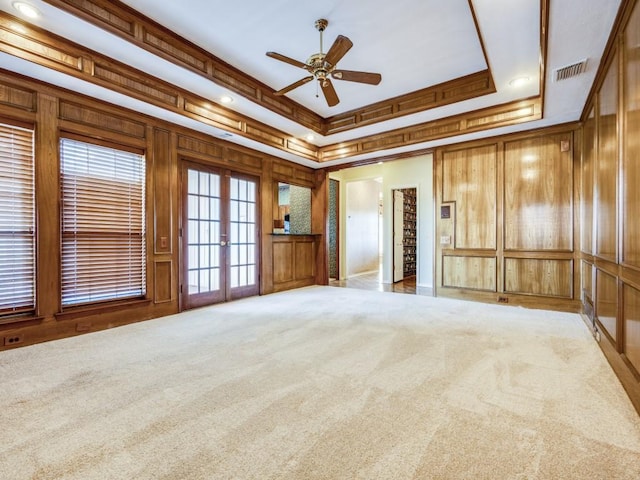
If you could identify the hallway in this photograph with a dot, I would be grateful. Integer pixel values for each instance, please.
(373, 281)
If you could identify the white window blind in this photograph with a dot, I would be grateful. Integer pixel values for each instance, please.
(17, 220)
(103, 223)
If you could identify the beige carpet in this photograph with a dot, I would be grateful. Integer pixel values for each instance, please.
(321, 383)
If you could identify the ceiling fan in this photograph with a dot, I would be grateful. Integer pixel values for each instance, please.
(322, 66)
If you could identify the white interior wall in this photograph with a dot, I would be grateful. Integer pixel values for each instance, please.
(361, 232)
(416, 172)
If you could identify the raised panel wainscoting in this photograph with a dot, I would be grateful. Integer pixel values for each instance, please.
(508, 232)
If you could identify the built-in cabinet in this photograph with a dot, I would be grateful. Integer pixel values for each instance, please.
(610, 177)
(294, 261)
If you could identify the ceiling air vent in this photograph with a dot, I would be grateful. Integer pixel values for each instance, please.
(570, 70)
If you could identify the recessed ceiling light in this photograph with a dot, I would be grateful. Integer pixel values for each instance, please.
(309, 137)
(226, 99)
(26, 9)
(519, 81)
(379, 163)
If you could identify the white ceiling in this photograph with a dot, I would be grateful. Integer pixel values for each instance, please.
(413, 43)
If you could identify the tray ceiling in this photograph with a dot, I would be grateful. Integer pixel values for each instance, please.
(415, 45)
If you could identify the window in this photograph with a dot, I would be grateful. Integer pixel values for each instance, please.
(103, 223)
(17, 220)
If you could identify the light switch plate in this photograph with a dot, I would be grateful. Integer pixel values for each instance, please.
(445, 240)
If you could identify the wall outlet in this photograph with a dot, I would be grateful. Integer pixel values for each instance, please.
(15, 339)
(503, 299)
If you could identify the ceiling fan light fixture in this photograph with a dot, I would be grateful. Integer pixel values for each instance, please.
(27, 10)
(322, 65)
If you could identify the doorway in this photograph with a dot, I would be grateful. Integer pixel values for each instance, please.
(219, 235)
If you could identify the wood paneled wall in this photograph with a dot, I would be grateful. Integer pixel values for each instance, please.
(52, 112)
(509, 235)
(610, 239)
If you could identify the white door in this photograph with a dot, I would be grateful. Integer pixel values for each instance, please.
(398, 235)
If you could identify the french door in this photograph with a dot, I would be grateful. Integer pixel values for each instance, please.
(219, 235)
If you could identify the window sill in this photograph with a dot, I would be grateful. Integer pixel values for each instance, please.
(87, 310)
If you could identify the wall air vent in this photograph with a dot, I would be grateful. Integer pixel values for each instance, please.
(570, 70)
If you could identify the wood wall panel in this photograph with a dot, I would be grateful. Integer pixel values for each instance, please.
(15, 96)
(40, 50)
(208, 148)
(490, 187)
(90, 116)
(267, 136)
(61, 111)
(194, 60)
(457, 90)
(493, 117)
(632, 326)
(586, 277)
(294, 260)
(538, 185)
(109, 14)
(469, 180)
(587, 172)
(162, 191)
(243, 159)
(607, 166)
(47, 180)
(283, 262)
(475, 273)
(221, 121)
(113, 76)
(607, 303)
(631, 146)
(162, 281)
(551, 278)
(305, 259)
(615, 231)
(507, 115)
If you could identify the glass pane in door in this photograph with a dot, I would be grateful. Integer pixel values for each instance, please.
(242, 237)
(203, 212)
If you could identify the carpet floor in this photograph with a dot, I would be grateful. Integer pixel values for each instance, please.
(321, 383)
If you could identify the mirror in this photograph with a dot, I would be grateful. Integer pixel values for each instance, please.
(292, 214)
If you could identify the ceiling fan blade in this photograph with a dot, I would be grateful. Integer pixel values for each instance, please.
(294, 85)
(329, 92)
(286, 59)
(339, 48)
(360, 77)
